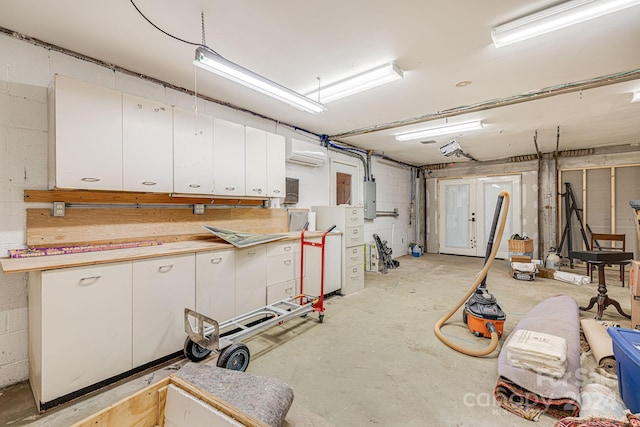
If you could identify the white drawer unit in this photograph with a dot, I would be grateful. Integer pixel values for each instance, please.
(349, 220)
(79, 328)
(215, 284)
(283, 261)
(162, 288)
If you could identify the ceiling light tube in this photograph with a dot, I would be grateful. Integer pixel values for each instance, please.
(358, 83)
(551, 19)
(210, 61)
(449, 129)
(636, 96)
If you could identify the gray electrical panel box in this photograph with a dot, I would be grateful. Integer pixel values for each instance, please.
(369, 200)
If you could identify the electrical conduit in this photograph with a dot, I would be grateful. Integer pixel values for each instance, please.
(483, 273)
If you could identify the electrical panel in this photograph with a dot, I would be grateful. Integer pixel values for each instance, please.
(369, 200)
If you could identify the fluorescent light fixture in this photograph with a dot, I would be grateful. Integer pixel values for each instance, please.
(440, 130)
(211, 61)
(554, 18)
(636, 96)
(359, 83)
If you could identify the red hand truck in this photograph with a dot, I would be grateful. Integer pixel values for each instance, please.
(318, 305)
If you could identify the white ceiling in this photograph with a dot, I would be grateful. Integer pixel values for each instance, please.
(437, 43)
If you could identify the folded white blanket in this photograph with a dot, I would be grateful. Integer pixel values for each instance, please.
(524, 267)
(542, 353)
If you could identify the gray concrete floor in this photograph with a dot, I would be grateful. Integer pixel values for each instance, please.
(375, 360)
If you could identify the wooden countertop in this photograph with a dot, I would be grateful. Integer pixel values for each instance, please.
(52, 262)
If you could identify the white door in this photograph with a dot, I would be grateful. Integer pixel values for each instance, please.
(458, 217)
(466, 211)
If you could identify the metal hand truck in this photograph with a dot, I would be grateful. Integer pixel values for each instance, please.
(206, 335)
(319, 306)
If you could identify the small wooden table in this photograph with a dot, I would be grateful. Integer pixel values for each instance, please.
(600, 259)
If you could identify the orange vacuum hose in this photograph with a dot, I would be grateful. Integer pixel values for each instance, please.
(494, 335)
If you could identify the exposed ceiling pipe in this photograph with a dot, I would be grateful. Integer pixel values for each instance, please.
(501, 102)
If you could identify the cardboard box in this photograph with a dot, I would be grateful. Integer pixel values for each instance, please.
(634, 278)
(547, 273)
(635, 312)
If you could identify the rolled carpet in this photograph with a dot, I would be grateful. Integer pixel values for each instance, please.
(529, 394)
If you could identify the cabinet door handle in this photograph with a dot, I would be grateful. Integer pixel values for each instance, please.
(194, 185)
(216, 260)
(257, 190)
(230, 188)
(148, 183)
(251, 253)
(94, 278)
(90, 179)
(276, 191)
(165, 268)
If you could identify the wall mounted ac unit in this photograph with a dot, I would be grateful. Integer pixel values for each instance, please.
(305, 153)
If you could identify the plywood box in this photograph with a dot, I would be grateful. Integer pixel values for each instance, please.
(547, 273)
(634, 278)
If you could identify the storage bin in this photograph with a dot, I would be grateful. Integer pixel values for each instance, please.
(626, 349)
(522, 246)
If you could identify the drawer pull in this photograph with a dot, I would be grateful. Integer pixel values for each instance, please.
(94, 278)
(354, 257)
(354, 238)
(148, 183)
(216, 260)
(287, 262)
(276, 191)
(90, 179)
(354, 219)
(165, 268)
(289, 290)
(354, 277)
(194, 185)
(229, 188)
(251, 253)
(257, 190)
(287, 248)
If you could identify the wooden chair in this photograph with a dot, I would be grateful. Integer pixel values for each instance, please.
(613, 242)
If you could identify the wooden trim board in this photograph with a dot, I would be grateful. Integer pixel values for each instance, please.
(115, 225)
(118, 197)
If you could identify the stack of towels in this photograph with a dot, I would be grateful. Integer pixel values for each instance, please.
(539, 352)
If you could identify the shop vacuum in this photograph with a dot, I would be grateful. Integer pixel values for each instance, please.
(482, 313)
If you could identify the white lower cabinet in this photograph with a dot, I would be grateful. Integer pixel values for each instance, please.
(282, 290)
(251, 281)
(215, 284)
(79, 328)
(162, 288)
(332, 265)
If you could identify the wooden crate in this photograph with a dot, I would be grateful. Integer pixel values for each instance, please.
(521, 246)
(146, 407)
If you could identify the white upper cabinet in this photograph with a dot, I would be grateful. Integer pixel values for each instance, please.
(255, 144)
(275, 165)
(86, 136)
(228, 158)
(147, 145)
(264, 163)
(192, 152)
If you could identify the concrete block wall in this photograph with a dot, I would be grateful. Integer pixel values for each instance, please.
(25, 73)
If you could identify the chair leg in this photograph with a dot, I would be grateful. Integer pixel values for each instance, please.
(622, 275)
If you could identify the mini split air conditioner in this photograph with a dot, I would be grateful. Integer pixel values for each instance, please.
(305, 153)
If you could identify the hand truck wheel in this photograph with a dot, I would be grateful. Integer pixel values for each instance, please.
(195, 352)
(235, 357)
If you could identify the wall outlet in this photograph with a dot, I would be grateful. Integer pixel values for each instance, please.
(198, 209)
(58, 209)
